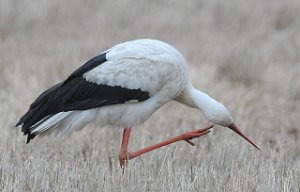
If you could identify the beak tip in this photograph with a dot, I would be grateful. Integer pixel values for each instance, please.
(236, 129)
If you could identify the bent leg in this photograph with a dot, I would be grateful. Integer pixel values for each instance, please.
(188, 136)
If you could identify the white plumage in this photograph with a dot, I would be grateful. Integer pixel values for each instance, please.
(150, 65)
(122, 86)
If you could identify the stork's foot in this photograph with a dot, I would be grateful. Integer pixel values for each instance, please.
(188, 136)
(123, 159)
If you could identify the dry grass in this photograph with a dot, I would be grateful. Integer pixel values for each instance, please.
(244, 53)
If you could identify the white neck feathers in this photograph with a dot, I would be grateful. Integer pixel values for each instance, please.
(213, 110)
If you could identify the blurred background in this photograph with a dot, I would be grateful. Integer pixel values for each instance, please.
(245, 54)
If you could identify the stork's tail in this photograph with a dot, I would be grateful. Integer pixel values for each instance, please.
(44, 125)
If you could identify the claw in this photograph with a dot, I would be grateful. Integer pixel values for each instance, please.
(194, 134)
(123, 159)
(189, 142)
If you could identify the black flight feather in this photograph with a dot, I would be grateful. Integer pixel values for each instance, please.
(92, 63)
(75, 93)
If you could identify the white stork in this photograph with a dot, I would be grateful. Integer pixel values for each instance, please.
(123, 86)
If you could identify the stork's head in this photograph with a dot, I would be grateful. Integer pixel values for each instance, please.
(213, 110)
(217, 113)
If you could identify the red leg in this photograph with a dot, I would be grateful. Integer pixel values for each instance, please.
(123, 151)
(124, 155)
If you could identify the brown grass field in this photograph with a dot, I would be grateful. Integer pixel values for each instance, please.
(245, 54)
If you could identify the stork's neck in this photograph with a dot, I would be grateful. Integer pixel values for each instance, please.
(196, 99)
(213, 110)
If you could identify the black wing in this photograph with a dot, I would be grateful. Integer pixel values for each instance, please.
(94, 62)
(75, 93)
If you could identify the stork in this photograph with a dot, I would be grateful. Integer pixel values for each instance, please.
(122, 87)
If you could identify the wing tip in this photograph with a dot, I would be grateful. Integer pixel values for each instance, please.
(29, 137)
(26, 131)
(19, 123)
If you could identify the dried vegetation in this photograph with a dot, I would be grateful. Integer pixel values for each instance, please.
(244, 53)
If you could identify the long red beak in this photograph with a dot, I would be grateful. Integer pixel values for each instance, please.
(236, 129)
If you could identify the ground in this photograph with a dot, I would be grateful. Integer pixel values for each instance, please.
(245, 54)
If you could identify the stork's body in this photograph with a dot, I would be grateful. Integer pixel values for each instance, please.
(122, 86)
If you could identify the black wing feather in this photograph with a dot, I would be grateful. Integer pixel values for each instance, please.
(46, 95)
(92, 63)
(75, 93)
